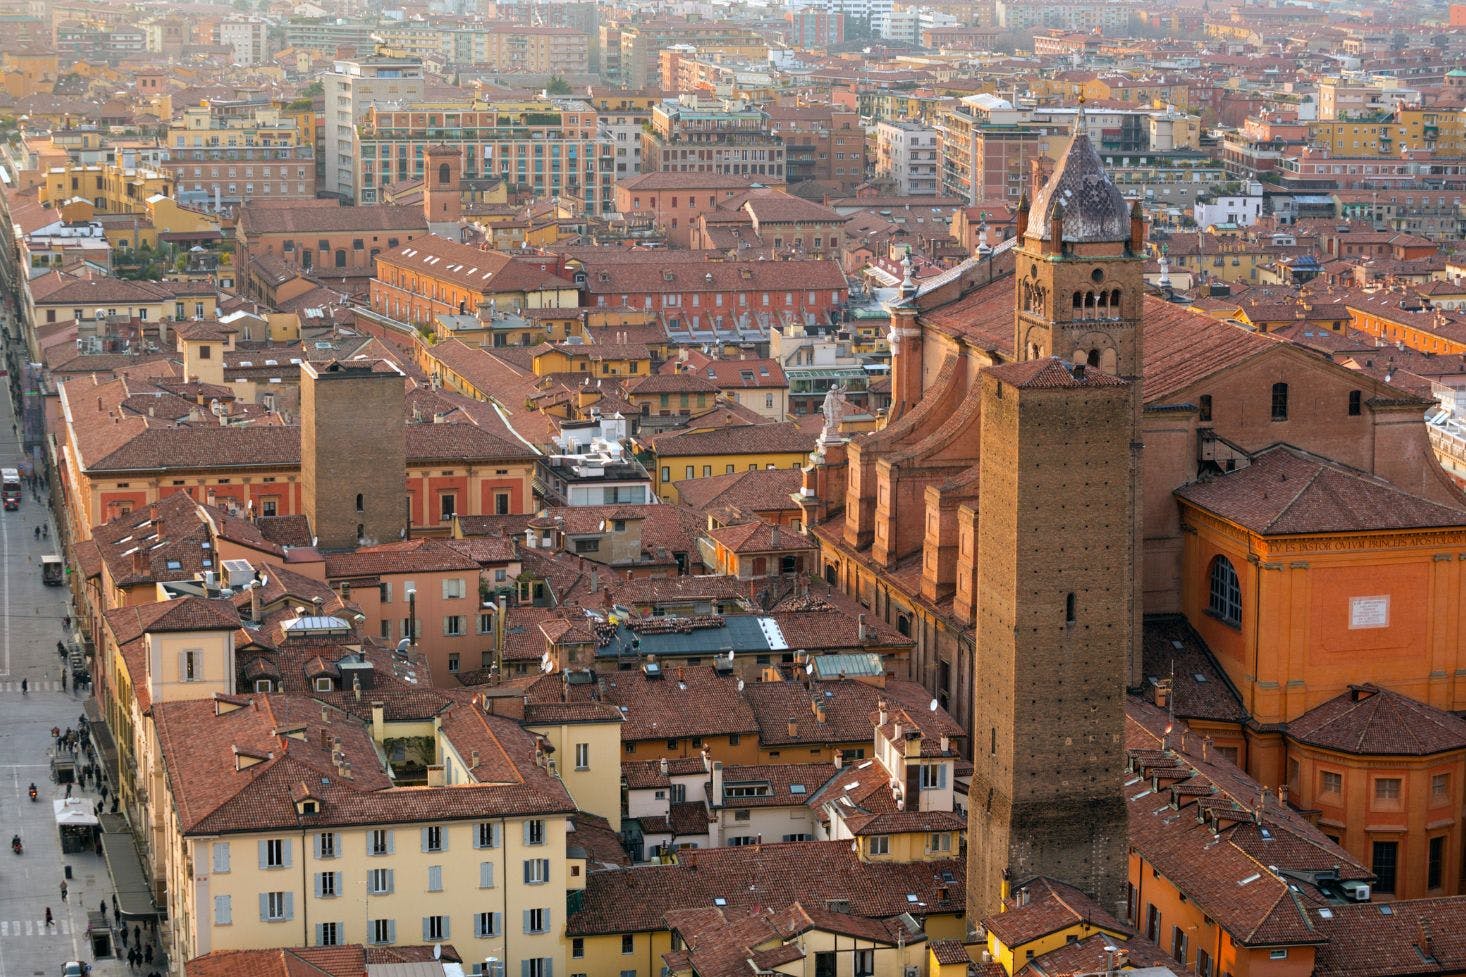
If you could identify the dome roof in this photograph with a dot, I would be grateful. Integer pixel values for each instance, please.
(1094, 209)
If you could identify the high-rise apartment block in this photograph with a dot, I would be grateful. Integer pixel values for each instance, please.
(352, 88)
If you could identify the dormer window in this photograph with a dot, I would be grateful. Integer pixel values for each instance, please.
(323, 685)
(308, 806)
(264, 685)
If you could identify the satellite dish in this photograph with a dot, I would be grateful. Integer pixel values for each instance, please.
(730, 654)
(809, 669)
(740, 685)
(437, 951)
(933, 706)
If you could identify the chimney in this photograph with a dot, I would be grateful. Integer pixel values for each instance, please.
(662, 765)
(139, 562)
(839, 758)
(718, 782)
(860, 627)
(819, 712)
(793, 729)
(379, 721)
(946, 744)
(472, 758)
(774, 536)
(881, 713)
(1282, 795)
(254, 600)
(1206, 748)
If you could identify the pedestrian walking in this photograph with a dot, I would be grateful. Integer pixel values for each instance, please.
(63, 890)
(131, 959)
(68, 790)
(116, 908)
(63, 678)
(148, 954)
(104, 792)
(137, 936)
(49, 920)
(97, 809)
(66, 622)
(25, 686)
(104, 907)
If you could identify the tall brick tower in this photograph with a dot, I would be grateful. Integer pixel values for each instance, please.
(1058, 533)
(353, 452)
(442, 186)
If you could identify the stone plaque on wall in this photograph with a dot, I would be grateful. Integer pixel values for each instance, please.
(1369, 612)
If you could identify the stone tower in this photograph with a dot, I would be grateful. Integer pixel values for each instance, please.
(353, 452)
(442, 185)
(1058, 535)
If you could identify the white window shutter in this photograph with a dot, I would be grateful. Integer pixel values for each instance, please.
(289, 905)
(424, 832)
(285, 853)
(264, 905)
(485, 875)
(320, 933)
(527, 832)
(426, 924)
(264, 854)
(221, 857)
(391, 879)
(391, 931)
(223, 911)
(447, 928)
(320, 887)
(391, 842)
(528, 924)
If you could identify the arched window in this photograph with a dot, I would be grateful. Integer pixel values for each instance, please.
(830, 574)
(1115, 301)
(1094, 357)
(360, 500)
(1069, 609)
(1078, 300)
(444, 172)
(1225, 599)
(903, 625)
(1280, 401)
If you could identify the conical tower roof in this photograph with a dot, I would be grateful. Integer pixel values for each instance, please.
(1093, 208)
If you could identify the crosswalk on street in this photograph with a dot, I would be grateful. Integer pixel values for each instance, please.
(12, 928)
(35, 685)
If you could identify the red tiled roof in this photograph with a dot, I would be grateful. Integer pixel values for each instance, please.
(324, 217)
(1368, 720)
(1285, 491)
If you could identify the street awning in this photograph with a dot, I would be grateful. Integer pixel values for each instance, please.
(74, 813)
(134, 895)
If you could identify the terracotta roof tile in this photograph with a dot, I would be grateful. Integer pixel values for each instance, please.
(1368, 720)
(1285, 491)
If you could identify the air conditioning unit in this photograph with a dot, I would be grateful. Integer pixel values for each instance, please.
(913, 971)
(1355, 890)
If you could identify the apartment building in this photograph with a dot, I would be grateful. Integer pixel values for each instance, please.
(542, 148)
(219, 160)
(432, 276)
(248, 38)
(351, 88)
(695, 134)
(520, 49)
(641, 44)
(112, 188)
(292, 830)
(906, 155)
(821, 142)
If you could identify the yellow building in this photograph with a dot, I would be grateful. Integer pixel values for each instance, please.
(112, 189)
(600, 359)
(702, 451)
(1041, 916)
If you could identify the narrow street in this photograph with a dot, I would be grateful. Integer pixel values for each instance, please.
(30, 625)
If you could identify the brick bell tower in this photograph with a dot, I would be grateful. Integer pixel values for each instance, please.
(1058, 539)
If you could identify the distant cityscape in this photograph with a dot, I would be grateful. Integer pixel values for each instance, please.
(843, 488)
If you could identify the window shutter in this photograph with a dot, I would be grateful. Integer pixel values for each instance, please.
(435, 878)
(391, 842)
(528, 869)
(285, 852)
(527, 832)
(426, 923)
(221, 857)
(289, 905)
(320, 887)
(548, 925)
(223, 911)
(524, 968)
(528, 924)
(264, 905)
(496, 924)
(447, 928)
(320, 934)
(264, 853)
(424, 833)
(391, 879)
(391, 931)
(485, 875)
